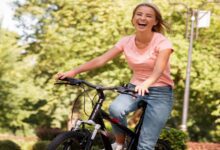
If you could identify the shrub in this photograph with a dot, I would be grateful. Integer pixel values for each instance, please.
(176, 138)
(9, 145)
(41, 145)
(45, 133)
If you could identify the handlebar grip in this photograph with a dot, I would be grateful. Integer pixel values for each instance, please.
(72, 81)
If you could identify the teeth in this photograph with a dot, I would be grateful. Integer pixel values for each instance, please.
(141, 24)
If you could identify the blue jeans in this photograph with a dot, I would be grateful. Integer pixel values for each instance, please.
(159, 105)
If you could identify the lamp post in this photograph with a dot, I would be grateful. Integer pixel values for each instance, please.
(187, 82)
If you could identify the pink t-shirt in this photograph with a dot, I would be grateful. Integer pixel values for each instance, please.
(142, 61)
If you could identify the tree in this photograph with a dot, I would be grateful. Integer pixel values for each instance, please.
(66, 33)
(9, 54)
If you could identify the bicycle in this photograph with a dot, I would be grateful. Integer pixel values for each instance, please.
(82, 137)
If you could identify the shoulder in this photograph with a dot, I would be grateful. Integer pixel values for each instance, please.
(126, 39)
(163, 42)
(160, 37)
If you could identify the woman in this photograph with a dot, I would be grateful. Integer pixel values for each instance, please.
(147, 53)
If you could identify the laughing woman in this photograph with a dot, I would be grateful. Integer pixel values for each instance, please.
(147, 52)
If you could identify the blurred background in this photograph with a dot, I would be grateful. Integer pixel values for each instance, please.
(39, 38)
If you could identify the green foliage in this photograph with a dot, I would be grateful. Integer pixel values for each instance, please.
(72, 35)
(176, 138)
(9, 55)
(65, 34)
(9, 145)
(41, 145)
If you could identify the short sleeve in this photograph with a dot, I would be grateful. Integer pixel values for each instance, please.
(121, 43)
(165, 44)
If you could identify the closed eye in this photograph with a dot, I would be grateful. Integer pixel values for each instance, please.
(149, 16)
(139, 14)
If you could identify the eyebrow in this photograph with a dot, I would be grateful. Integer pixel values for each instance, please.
(142, 13)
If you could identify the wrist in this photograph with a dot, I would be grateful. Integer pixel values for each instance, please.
(146, 83)
(72, 72)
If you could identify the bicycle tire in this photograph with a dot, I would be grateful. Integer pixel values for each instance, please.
(162, 145)
(73, 140)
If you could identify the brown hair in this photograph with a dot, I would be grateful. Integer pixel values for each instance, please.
(161, 24)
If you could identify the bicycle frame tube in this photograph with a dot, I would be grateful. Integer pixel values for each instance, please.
(97, 105)
(125, 129)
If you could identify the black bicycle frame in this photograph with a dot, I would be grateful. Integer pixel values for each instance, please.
(98, 115)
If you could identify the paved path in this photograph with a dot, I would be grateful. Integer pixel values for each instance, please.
(203, 146)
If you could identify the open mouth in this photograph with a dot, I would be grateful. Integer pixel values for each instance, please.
(142, 24)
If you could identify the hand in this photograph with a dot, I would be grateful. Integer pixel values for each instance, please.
(141, 89)
(62, 75)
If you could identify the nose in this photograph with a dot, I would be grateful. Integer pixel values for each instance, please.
(143, 17)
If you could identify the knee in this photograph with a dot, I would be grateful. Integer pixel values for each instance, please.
(115, 110)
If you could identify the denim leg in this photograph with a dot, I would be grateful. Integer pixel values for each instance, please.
(157, 112)
(118, 108)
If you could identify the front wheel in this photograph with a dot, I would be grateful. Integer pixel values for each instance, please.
(74, 140)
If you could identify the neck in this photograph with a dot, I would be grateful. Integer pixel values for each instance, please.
(144, 37)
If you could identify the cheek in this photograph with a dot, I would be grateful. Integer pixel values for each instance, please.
(153, 21)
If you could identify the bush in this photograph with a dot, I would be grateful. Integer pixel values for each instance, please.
(45, 133)
(41, 145)
(9, 145)
(176, 138)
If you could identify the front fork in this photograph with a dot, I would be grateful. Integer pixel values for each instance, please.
(97, 128)
(96, 120)
(89, 122)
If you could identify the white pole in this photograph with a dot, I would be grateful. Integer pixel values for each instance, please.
(187, 83)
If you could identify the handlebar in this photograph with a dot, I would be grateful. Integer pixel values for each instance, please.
(119, 89)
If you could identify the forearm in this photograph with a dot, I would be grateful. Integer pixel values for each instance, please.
(98, 61)
(159, 68)
(95, 63)
(153, 78)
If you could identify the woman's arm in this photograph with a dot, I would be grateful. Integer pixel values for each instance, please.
(94, 63)
(159, 67)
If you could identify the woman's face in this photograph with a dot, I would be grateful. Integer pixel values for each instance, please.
(144, 18)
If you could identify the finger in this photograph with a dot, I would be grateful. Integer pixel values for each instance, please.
(62, 77)
(139, 92)
(147, 91)
(136, 89)
(143, 92)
